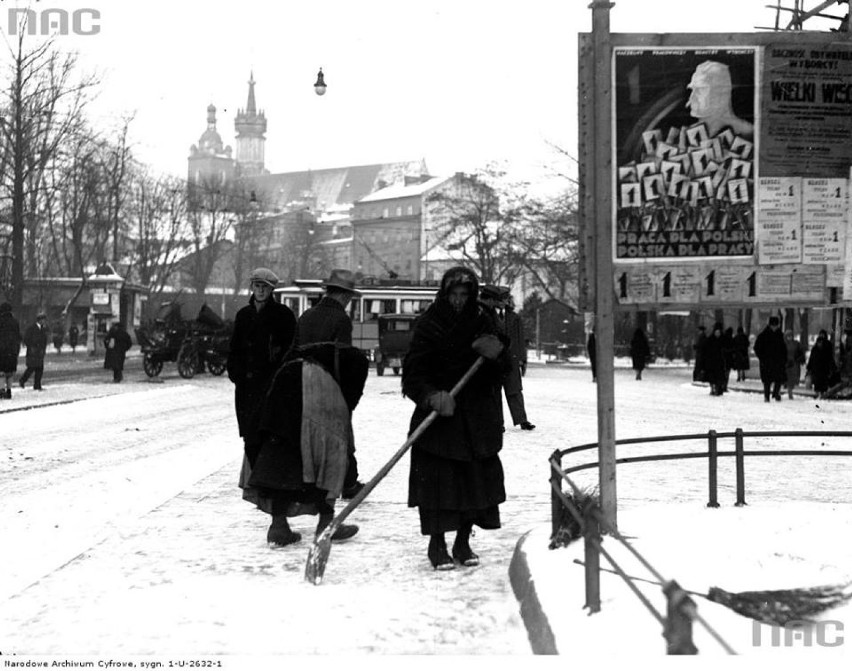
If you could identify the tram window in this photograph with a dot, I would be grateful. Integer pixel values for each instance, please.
(414, 306)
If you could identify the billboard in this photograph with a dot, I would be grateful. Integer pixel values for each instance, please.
(730, 169)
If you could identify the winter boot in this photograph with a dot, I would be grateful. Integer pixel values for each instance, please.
(280, 534)
(461, 547)
(438, 556)
(8, 393)
(343, 531)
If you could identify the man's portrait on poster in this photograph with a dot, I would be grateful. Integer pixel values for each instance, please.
(685, 152)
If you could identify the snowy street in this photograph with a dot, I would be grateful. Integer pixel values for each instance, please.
(124, 532)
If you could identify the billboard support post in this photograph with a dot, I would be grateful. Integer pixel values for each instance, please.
(601, 138)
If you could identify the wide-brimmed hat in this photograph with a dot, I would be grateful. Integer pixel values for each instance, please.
(342, 279)
(491, 292)
(41, 315)
(264, 275)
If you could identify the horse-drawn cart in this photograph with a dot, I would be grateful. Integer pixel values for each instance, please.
(195, 345)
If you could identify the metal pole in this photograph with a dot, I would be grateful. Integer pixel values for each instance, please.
(739, 457)
(601, 138)
(555, 503)
(712, 460)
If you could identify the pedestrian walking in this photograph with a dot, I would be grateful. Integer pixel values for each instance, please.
(456, 476)
(263, 334)
(10, 346)
(727, 355)
(698, 374)
(821, 366)
(714, 361)
(639, 351)
(494, 299)
(793, 362)
(117, 342)
(328, 321)
(73, 335)
(771, 352)
(58, 338)
(35, 339)
(590, 350)
(740, 355)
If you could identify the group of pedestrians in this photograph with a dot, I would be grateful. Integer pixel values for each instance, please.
(297, 382)
(35, 338)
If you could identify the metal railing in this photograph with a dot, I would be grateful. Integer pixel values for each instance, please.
(681, 610)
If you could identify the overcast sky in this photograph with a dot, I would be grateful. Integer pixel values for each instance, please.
(457, 82)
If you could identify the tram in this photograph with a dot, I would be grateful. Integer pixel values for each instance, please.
(378, 297)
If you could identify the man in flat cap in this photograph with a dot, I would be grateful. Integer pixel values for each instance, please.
(328, 321)
(263, 333)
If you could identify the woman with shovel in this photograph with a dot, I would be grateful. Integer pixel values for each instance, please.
(456, 477)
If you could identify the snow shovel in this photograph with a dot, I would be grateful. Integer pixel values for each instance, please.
(318, 554)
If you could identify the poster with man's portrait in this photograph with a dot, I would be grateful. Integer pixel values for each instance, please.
(685, 130)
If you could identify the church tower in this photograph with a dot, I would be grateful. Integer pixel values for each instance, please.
(210, 165)
(250, 126)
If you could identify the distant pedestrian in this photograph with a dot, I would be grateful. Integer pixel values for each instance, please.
(456, 476)
(328, 321)
(35, 339)
(698, 374)
(771, 351)
(590, 350)
(494, 299)
(639, 351)
(727, 355)
(821, 366)
(10, 346)
(793, 362)
(263, 334)
(58, 338)
(714, 361)
(117, 342)
(73, 335)
(740, 354)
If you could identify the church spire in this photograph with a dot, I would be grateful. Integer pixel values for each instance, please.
(251, 106)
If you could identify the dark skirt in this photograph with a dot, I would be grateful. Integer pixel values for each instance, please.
(8, 363)
(450, 493)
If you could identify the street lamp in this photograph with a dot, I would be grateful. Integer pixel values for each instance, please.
(320, 85)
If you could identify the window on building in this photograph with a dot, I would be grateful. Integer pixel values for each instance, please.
(385, 213)
(399, 210)
(411, 209)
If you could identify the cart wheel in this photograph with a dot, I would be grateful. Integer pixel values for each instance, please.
(380, 368)
(187, 362)
(216, 366)
(396, 370)
(152, 365)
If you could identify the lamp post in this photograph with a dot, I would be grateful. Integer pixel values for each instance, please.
(320, 85)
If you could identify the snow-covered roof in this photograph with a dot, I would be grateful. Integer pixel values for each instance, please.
(402, 190)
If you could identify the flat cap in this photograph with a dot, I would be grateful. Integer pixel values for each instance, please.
(264, 275)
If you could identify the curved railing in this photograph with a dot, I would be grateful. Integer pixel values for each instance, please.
(681, 610)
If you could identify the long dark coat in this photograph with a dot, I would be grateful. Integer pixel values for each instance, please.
(36, 341)
(740, 359)
(456, 476)
(639, 349)
(714, 360)
(258, 346)
(117, 342)
(10, 343)
(770, 350)
(327, 321)
(276, 464)
(821, 364)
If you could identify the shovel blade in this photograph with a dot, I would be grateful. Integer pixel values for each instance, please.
(317, 559)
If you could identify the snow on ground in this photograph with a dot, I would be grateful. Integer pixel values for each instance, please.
(130, 536)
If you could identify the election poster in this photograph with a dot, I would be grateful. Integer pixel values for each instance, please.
(685, 152)
(806, 110)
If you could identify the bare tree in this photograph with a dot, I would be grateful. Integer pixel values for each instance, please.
(42, 106)
(210, 221)
(158, 229)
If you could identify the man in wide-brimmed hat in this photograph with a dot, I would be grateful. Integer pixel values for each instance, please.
(328, 321)
(36, 341)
